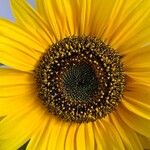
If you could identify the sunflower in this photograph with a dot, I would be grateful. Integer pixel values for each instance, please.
(78, 75)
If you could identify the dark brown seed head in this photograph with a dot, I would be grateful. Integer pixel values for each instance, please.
(80, 79)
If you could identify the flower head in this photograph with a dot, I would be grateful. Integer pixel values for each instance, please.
(78, 76)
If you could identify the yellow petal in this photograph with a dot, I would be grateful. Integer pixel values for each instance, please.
(139, 92)
(71, 137)
(84, 137)
(7, 91)
(40, 8)
(54, 133)
(39, 138)
(14, 77)
(18, 127)
(17, 33)
(26, 16)
(99, 137)
(137, 107)
(144, 141)
(110, 135)
(137, 123)
(140, 77)
(127, 19)
(50, 135)
(18, 49)
(119, 11)
(13, 83)
(128, 136)
(84, 14)
(80, 138)
(9, 105)
(60, 15)
(62, 136)
(99, 17)
(76, 17)
(138, 60)
(135, 43)
(93, 16)
(89, 136)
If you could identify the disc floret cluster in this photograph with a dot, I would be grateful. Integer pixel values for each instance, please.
(80, 79)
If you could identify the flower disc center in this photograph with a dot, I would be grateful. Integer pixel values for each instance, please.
(80, 79)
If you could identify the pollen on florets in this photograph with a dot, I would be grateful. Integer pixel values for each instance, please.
(80, 79)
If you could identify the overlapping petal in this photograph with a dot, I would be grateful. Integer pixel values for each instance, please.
(109, 134)
(128, 20)
(18, 126)
(129, 137)
(134, 121)
(18, 49)
(15, 83)
(76, 17)
(34, 24)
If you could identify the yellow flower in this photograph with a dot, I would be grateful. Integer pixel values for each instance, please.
(78, 76)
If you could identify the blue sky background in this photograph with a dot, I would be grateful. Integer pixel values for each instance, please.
(5, 11)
